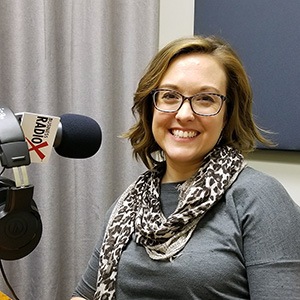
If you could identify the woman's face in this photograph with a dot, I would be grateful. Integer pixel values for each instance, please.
(184, 136)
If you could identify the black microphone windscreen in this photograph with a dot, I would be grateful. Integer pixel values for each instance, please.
(81, 136)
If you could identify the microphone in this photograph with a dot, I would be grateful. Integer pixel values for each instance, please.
(77, 136)
(71, 135)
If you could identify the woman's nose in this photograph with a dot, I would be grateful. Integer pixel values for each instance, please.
(185, 113)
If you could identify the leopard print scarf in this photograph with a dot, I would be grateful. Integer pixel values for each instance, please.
(137, 214)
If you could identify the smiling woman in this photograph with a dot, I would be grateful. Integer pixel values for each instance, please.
(240, 131)
(200, 214)
(184, 136)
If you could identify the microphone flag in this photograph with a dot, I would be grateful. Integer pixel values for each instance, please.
(40, 132)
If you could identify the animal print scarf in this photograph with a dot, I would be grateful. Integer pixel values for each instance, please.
(137, 214)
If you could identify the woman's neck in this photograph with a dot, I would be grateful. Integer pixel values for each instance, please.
(179, 173)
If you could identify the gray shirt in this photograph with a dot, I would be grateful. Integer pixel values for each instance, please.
(246, 246)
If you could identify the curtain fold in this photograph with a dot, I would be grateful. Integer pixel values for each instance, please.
(83, 57)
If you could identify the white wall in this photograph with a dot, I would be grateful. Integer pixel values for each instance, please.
(283, 165)
(176, 20)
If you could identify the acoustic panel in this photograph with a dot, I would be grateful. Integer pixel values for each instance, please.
(266, 35)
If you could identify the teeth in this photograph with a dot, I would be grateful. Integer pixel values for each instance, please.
(184, 134)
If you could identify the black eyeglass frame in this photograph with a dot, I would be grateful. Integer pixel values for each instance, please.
(222, 97)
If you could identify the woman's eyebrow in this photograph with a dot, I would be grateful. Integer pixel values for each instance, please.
(206, 88)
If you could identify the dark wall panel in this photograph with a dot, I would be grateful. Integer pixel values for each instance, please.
(266, 35)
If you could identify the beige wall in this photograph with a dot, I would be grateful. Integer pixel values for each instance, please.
(283, 165)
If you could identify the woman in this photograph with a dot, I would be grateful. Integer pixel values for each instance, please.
(199, 224)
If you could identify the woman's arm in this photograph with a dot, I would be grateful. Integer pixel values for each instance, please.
(270, 223)
(86, 286)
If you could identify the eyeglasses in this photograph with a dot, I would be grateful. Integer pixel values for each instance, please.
(203, 104)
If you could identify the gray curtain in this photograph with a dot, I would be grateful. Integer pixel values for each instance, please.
(84, 57)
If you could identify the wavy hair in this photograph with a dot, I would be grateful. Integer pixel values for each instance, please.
(240, 130)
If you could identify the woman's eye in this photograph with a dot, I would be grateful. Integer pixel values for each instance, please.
(169, 95)
(205, 98)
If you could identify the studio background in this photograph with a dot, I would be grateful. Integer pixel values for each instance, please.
(84, 57)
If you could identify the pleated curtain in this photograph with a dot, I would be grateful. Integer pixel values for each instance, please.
(82, 57)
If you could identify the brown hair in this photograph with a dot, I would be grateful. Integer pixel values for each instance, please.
(240, 130)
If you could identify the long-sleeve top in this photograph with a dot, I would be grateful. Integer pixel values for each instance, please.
(246, 247)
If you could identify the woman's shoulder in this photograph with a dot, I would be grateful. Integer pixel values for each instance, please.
(255, 191)
(255, 179)
(252, 182)
(267, 216)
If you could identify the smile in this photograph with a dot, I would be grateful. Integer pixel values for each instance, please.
(184, 134)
